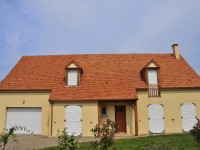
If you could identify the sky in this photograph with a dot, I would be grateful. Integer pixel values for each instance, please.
(45, 27)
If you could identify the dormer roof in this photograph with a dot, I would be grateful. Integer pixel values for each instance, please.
(152, 64)
(72, 64)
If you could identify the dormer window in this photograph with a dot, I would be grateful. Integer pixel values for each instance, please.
(73, 74)
(72, 77)
(150, 75)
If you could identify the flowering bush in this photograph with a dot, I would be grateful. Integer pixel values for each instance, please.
(66, 141)
(104, 135)
(195, 131)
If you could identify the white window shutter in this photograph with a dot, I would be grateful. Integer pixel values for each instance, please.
(152, 76)
(188, 116)
(156, 118)
(72, 77)
(73, 117)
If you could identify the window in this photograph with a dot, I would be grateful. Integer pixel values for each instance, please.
(103, 110)
(73, 74)
(153, 84)
(152, 76)
(72, 77)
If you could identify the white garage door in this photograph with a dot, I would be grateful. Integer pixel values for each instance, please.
(188, 116)
(73, 117)
(156, 118)
(25, 117)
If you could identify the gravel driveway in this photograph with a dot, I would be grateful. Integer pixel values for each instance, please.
(29, 142)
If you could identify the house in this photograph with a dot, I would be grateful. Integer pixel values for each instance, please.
(143, 93)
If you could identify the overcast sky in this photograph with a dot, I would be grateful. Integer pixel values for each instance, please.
(38, 27)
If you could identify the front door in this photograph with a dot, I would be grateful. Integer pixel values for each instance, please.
(120, 117)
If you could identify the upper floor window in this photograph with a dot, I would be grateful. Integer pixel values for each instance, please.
(152, 76)
(150, 73)
(73, 74)
(72, 77)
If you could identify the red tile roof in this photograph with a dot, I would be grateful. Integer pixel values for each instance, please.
(105, 76)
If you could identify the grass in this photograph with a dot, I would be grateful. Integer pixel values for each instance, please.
(159, 142)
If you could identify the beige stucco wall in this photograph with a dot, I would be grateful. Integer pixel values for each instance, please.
(89, 116)
(130, 121)
(31, 99)
(171, 99)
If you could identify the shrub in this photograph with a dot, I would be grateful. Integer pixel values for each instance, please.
(104, 135)
(9, 134)
(195, 131)
(66, 141)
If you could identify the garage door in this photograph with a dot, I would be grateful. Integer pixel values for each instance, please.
(156, 118)
(25, 117)
(188, 116)
(73, 117)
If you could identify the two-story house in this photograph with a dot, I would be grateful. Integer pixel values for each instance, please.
(143, 93)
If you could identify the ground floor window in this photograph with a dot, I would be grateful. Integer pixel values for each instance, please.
(156, 118)
(188, 116)
(73, 119)
(103, 111)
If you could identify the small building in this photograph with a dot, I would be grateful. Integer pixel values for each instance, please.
(143, 93)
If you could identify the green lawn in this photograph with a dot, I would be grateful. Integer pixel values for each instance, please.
(160, 142)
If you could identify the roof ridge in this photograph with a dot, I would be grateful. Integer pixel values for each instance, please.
(97, 54)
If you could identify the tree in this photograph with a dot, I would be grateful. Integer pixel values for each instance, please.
(9, 134)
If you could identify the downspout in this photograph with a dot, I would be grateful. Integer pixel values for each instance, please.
(136, 118)
(99, 110)
(51, 119)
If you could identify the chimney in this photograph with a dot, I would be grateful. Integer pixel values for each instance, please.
(176, 52)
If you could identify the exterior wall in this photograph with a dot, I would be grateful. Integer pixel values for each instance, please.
(130, 120)
(89, 116)
(26, 99)
(171, 99)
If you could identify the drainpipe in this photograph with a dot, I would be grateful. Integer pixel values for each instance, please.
(51, 119)
(136, 118)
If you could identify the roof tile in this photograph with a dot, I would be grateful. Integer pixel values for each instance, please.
(105, 76)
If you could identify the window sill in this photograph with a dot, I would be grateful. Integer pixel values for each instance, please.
(104, 116)
(71, 85)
